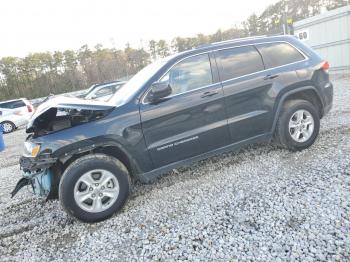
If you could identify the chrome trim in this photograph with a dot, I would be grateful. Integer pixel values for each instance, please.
(189, 91)
(306, 58)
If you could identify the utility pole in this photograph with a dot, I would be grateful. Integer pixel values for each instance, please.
(285, 19)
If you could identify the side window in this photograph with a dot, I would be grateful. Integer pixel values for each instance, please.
(4, 105)
(189, 74)
(278, 54)
(239, 61)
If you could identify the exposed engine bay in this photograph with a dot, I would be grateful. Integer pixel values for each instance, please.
(62, 112)
(56, 119)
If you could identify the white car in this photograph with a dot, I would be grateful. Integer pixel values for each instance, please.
(15, 113)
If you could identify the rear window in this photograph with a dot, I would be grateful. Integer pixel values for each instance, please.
(278, 54)
(12, 104)
(239, 61)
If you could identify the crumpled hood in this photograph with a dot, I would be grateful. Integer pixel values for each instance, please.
(62, 102)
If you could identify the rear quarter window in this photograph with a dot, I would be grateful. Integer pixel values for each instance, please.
(279, 54)
(238, 61)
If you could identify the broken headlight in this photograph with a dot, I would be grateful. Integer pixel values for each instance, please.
(31, 149)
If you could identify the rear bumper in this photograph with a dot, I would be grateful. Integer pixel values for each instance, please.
(22, 120)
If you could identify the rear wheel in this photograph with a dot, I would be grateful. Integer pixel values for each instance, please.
(94, 187)
(298, 125)
(8, 127)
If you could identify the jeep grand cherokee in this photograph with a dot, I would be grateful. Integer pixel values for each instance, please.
(178, 110)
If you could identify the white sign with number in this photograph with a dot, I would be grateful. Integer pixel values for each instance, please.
(303, 35)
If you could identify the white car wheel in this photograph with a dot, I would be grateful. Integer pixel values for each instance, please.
(8, 127)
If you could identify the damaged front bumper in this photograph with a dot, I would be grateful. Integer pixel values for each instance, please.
(36, 174)
(40, 182)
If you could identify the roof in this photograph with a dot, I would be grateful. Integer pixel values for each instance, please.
(231, 43)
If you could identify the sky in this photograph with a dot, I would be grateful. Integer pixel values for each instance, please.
(28, 26)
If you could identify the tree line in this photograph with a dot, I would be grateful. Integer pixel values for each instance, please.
(39, 74)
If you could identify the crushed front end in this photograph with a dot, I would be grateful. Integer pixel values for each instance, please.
(37, 174)
(58, 114)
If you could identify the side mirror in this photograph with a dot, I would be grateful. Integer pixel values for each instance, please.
(158, 91)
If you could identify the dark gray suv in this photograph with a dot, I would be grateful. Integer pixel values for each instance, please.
(181, 109)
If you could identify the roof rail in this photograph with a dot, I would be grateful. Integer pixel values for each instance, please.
(234, 40)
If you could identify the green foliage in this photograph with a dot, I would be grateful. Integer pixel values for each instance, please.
(153, 49)
(40, 74)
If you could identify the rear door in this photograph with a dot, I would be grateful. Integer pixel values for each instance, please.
(192, 120)
(247, 92)
(20, 108)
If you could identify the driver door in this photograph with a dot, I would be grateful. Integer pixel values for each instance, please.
(192, 120)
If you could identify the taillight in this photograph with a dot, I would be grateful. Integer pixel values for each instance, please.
(325, 66)
(30, 109)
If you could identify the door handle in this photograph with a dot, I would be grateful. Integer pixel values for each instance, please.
(268, 77)
(209, 94)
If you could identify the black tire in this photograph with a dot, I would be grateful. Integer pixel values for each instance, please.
(283, 135)
(12, 125)
(83, 165)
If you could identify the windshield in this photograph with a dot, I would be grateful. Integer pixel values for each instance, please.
(128, 90)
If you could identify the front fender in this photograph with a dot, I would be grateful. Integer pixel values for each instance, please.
(65, 153)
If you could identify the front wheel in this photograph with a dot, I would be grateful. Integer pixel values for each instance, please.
(94, 187)
(298, 125)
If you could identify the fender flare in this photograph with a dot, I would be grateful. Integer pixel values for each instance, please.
(286, 95)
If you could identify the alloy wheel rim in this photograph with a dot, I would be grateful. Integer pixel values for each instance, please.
(301, 126)
(96, 190)
(7, 127)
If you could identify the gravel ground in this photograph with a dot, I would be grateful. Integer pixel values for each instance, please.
(261, 203)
